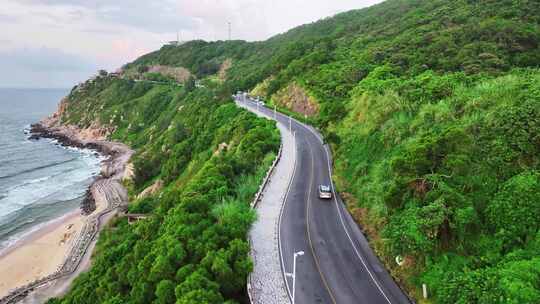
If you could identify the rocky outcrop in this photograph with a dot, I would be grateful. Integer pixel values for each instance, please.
(180, 74)
(71, 136)
(55, 118)
(261, 88)
(88, 205)
(296, 98)
(221, 147)
(95, 132)
(53, 127)
(94, 138)
(129, 173)
(222, 73)
(151, 190)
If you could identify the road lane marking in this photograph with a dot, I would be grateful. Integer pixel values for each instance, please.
(347, 232)
(307, 224)
(315, 258)
(341, 220)
(307, 221)
(341, 217)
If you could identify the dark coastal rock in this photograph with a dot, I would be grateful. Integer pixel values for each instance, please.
(37, 131)
(88, 205)
(90, 230)
(40, 131)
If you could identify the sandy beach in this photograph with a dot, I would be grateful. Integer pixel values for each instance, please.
(40, 253)
(62, 248)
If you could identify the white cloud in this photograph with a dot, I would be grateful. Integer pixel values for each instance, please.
(116, 32)
(43, 67)
(154, 16)
(4, 18)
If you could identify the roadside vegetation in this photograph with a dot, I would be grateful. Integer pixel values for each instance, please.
(211, 156)
(431, 108)
(446, 168)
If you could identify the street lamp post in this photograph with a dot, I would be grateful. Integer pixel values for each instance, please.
(290, 123)
(293, 274)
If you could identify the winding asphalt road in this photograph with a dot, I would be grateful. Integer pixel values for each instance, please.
(338, 265)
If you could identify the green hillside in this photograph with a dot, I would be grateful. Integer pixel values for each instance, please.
(331, 56)
(211, 157)
(432, 110)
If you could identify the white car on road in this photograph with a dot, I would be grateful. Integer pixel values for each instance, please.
(325, 192)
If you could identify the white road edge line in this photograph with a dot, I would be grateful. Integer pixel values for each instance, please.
(291, 178)
(338, 210)
(347, 232)
(341, 217)
(307, 212)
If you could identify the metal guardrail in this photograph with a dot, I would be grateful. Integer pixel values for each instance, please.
(259, 193)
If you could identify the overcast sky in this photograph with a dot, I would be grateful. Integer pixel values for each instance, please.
(57, 43)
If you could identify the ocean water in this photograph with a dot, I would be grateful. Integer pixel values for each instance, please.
(40, 181)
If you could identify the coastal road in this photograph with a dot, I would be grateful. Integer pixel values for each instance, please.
(338, 265)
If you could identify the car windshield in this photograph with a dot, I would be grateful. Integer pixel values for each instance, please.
(324, 188)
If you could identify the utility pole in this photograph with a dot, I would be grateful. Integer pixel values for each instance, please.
(229, 23)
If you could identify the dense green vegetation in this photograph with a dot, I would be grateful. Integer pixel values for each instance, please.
(331, 56)
(211, 156)
(451, 180)
(432, 109)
